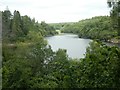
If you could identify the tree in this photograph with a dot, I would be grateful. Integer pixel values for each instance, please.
(115, 13)
(100, 67)
(26, 21)
(6, 22)
(49, 30)
(58, 69)
(17, 27)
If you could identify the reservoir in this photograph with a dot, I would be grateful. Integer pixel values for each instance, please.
(75, 46)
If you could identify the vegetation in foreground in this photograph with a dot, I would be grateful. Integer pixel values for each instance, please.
(37, 66)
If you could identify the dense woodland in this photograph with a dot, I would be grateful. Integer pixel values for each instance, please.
(29, 62)
(95, 28)
(16, 27)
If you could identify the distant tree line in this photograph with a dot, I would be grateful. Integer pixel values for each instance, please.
(95, 28)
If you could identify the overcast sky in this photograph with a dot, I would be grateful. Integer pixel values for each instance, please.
(54, 11)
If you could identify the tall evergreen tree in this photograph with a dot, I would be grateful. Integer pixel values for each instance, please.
(17, 27)
(6, 21)
(27, 24)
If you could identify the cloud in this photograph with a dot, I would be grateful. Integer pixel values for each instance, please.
(58, 10)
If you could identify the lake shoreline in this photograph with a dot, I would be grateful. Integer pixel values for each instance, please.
(75, 46)
(111, 42)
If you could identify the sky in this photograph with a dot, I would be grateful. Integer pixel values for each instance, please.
(56, 11)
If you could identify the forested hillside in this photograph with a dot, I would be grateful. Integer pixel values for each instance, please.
(29, 62)
(95, 28)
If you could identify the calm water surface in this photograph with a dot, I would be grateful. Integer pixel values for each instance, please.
(76, 47)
